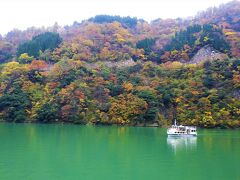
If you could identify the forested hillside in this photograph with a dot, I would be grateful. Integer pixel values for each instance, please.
(123, 70)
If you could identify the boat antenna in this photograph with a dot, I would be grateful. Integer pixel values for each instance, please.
(175, 122)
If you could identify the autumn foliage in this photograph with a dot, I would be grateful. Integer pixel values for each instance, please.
(125, 71)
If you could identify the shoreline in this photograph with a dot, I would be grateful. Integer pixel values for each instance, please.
(113, 125)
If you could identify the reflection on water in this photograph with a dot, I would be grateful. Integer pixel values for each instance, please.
(178, 143)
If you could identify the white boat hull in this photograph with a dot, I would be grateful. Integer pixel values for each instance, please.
(175, 130)
(172, 134)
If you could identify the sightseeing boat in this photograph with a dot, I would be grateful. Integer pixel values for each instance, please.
(180, 130)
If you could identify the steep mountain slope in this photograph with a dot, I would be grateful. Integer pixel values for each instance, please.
(114, 70)
(114, 38)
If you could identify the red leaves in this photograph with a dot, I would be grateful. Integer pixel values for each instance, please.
(79, 94)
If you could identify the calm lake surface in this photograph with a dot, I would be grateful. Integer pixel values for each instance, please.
(37, 151)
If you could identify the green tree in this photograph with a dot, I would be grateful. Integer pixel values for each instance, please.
(42, 42)
(14, 106)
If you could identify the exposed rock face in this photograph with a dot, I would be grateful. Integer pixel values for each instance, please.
(207, 54)
(124, 63)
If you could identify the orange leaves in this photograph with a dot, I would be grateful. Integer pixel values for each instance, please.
(99, 80)
(61, 68)
(38, 65)
(108, 41)
(128, 86)
(53, 85)
(71, 93)
(195, 92)
(75, 64)
(193, 83)
(236, 80)
(27, 86)
(79, 94)
(105, 53)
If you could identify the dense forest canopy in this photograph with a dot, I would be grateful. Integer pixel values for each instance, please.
(122, 70)
(127, 21)
(41, 42)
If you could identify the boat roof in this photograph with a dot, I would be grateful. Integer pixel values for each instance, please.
(193, 127)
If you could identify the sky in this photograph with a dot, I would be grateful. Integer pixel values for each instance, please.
(22, 14)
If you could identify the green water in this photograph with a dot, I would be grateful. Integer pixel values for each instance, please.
(33, 151)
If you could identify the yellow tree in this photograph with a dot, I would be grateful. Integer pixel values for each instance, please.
(128, 86)
(25, 58)
(126, 109)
